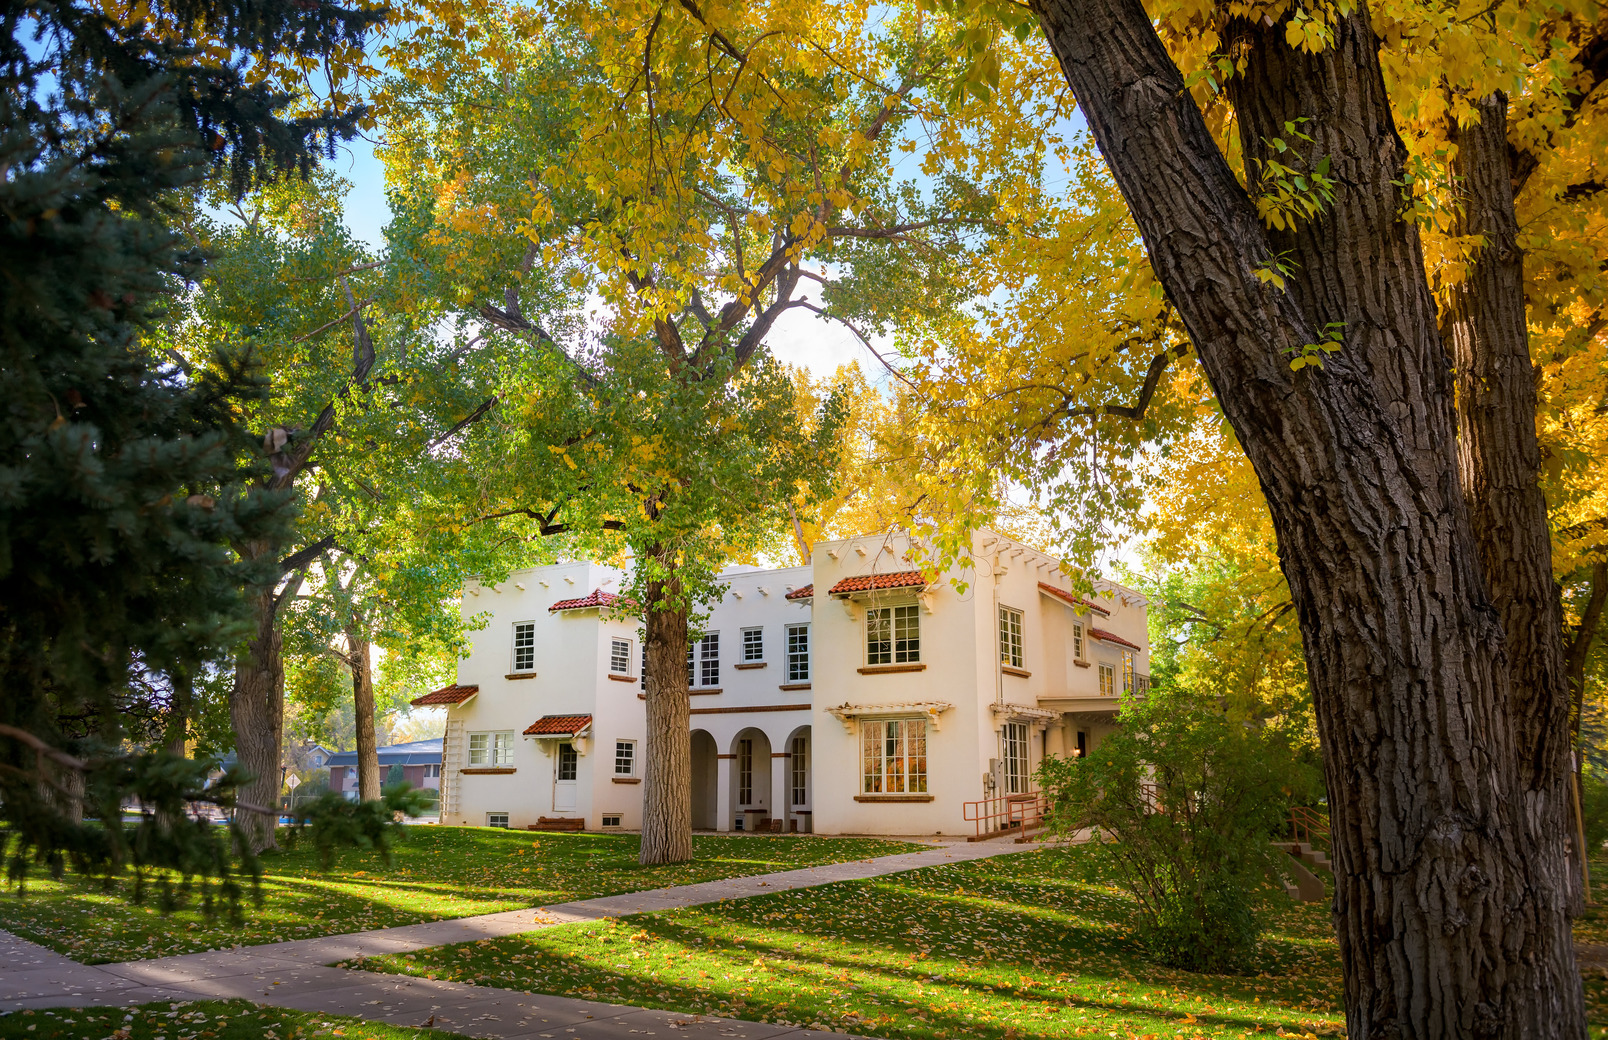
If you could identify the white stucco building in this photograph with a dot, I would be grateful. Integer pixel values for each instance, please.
(851, 696)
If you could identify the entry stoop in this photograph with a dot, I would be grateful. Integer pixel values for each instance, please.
(556, 823)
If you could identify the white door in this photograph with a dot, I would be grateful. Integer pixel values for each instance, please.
(564, 779)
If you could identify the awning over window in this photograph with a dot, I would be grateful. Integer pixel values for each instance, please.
(873, 582)
(559, 726)
(1111, 637)
(1024, 713)
(1071, 600)
(807, 592)
(848, 714)
(446, 695)
(597, 598)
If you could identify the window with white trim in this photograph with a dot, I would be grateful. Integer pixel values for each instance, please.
(745, 772)
(620, 656)
(625, 758)
(643, 680)
(1127, 671)
(568, 762)
(1077, 641)
(524, 646)
(491, 749)
(893, 635)
(893, 756)
(1013, 744)
(799, 767)
(1010, 637)
(798, 653)
(753, 644)
(1108, 681)
(497, 819)
(703, 661)
(611, 821)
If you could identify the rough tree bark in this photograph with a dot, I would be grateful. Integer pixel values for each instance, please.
(368, 753)
(667, 770)
(257, 709)
(1445, 926)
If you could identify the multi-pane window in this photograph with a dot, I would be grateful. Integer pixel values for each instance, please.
(497, 819)
(753, 644)
(894, 756)
(798, 653)
(625, 758)
(491, 749)
(1127, 671)
(1108, 681)
(568, 762)
(1013, 739)
(745, 772)
(525, 646)
(1077, 642)
(799, 763)
(643, 680)
(892, 635)
(620, 656)
(703, 661)
(1010, 636)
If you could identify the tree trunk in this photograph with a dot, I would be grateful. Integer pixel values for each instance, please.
(667, 772)
(1579, 652)
(1445, 929)
(257, 712)
(368, 755)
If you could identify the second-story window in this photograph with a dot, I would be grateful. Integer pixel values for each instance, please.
(620, 656)
(1127, 671)
(1108, 676)
(703, 661)
(1077, 641)
(798, 653)
(753, 644)
(524, 646)
(1010, 636)
(892, 635)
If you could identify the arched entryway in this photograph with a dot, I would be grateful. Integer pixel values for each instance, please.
(705, 781)
(797, 796)
(751, 801)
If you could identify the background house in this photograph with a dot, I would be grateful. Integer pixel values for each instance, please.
(419, 760)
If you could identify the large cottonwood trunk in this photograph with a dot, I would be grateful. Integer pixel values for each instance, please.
(257, 713)
(368, 754)
(667, 770)
(1446, 929)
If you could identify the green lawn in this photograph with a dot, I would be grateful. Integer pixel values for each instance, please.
(437, 872)
(200, 1020)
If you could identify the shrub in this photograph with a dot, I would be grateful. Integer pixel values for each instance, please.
(1184, 805)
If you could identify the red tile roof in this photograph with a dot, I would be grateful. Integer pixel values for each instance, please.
(1108, 637)
(868, 582)
(446, 695)
(565, 725)
(804, 593)
(1067, 597)
(598, 598)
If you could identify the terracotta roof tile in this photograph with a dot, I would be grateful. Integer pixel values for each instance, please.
(597, 598)
(868, 582)
(446, 695)
(1067, 597)
(802, 593)
(1109, 637)
(560, 724)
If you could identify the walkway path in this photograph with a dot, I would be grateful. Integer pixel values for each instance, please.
(296, 974)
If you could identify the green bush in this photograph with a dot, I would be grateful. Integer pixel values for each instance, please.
(1594, 807)
(1184, 805)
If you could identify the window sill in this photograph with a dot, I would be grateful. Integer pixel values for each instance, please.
(748, 665)
(884, 669)
(627, 779)
(622, 678)
(1081, 664)
(487, 769)
(893, 797)
(520, 675)
(794, 686)
(1021, 673)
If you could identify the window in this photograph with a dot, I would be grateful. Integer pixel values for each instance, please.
(525, 646)
(567, 761)
(703, 661)
(624, 758)
(1108, 681)
(432, 770)
(894, 753)
(799, 768)
(1010, 636)
(1077, 641)
(491, 749)
(497, 819)
(798, 653)
(620, 656)
(643, 681)
(1013, 741)
(753, 644)
(611, 820)
(892, 635)
(745, 772)
(1127, 671)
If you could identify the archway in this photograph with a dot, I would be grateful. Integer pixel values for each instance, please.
(751, 801)
(797, 799)
(705, 781)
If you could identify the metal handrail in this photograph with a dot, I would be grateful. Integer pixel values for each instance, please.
(1006, 812)
(1307, 824)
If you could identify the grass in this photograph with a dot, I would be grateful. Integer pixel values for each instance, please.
(436, 873)
(198, 1020)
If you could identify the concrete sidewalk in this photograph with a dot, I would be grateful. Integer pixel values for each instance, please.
(296, 974)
